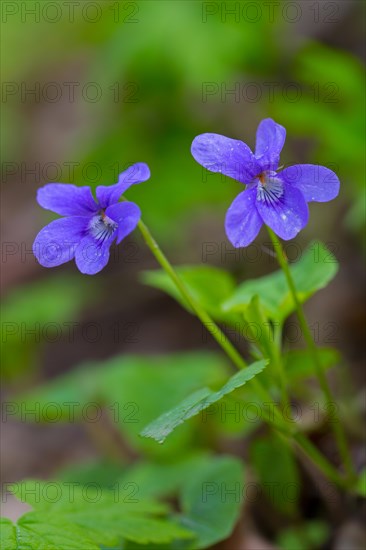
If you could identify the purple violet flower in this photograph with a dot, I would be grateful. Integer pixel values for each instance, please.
(278, 199)
(90, 226)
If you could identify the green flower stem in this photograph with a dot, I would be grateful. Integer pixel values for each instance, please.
(277, 420)
(280, 368)
(339, 433)
(319, 459)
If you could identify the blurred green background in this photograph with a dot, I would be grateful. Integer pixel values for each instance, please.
(92, 87)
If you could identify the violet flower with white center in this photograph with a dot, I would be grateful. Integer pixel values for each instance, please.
(90, 226)
(277, 199)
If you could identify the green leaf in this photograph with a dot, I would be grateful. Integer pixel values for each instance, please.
(209, 490)
(34, 531)
(163, 479)
(7, 534)
(313, 271)
(77, 517)
(65, 497)
(277, 472)
(87, 531)
(104, 472)
(298, 363)
(209, 286)
(211, 500)
(192, 405)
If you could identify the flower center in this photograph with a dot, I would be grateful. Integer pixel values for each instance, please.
(101, 227)
(269, 188)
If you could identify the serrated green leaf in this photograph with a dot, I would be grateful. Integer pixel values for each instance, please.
(211, 500)
(209, 286)
(110, 528)
(65, 513)
(7, 534)
(160, 428)
(34, 531)
(313, 271)
(61, 496)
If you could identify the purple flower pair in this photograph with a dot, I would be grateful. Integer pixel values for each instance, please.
(90, 226)
(277, 199)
